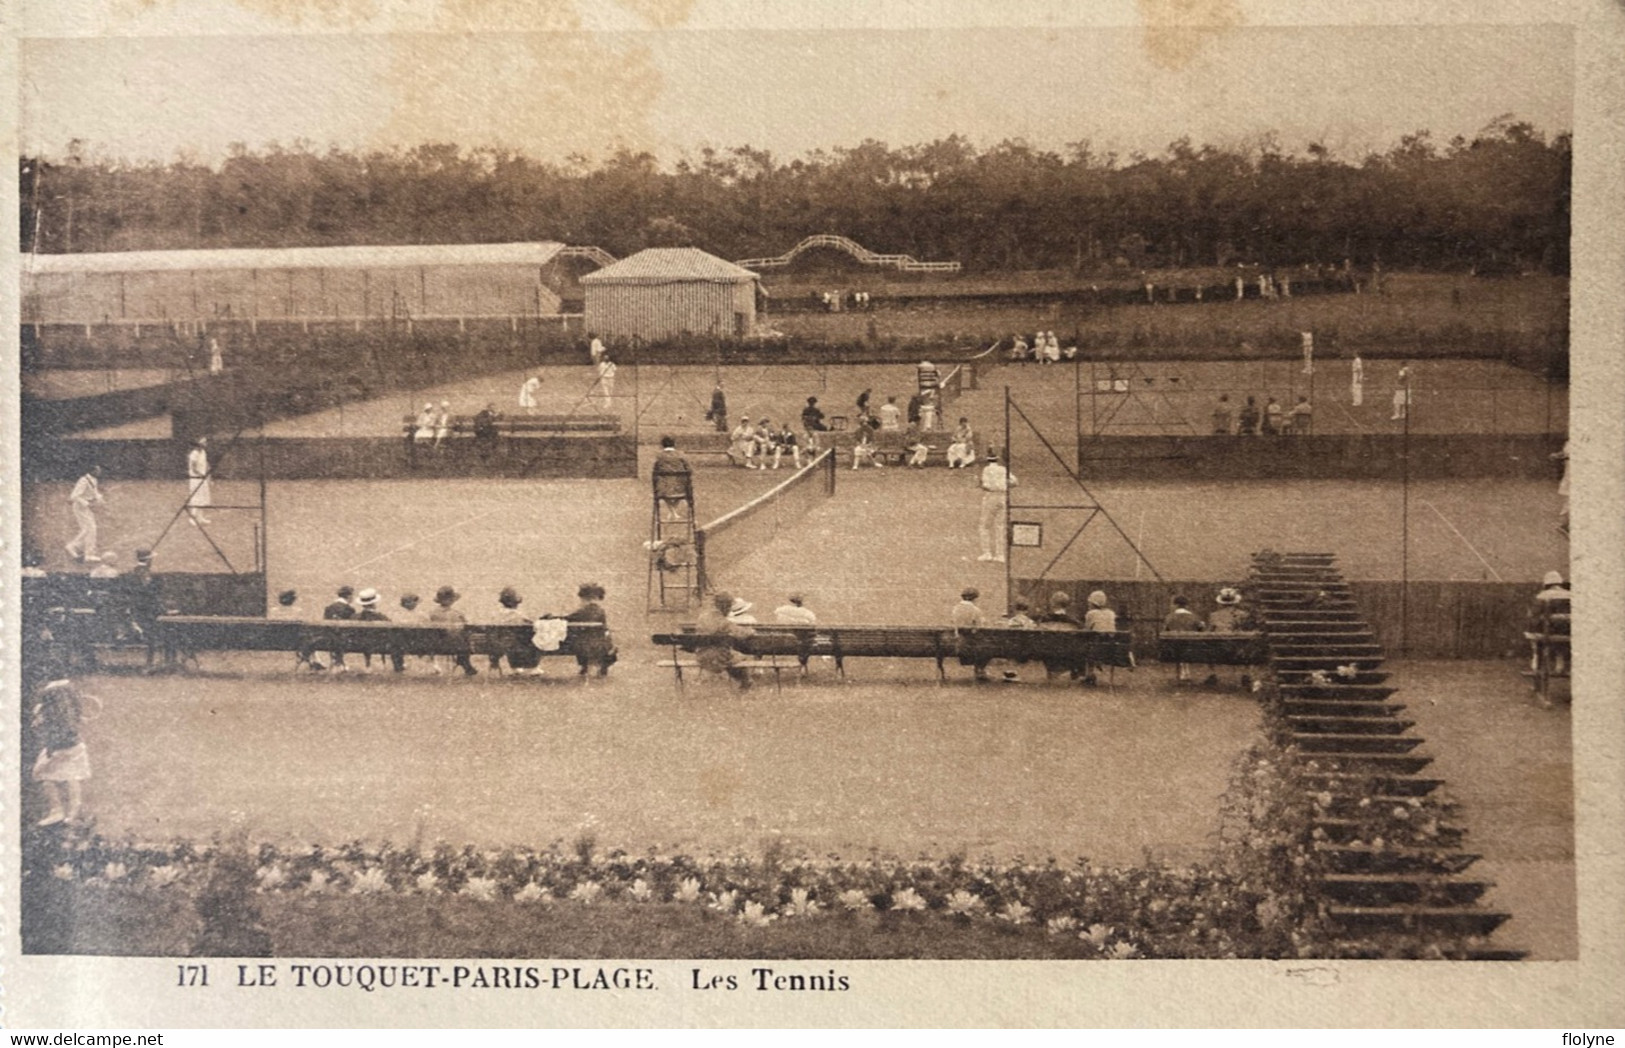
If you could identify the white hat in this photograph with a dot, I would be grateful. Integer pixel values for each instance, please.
(1552, 578)
(1228, 595)
(740, 606)
(368, 597)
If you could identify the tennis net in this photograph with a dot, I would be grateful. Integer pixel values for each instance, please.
(736, 534)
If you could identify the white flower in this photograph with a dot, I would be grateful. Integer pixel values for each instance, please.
(370, 882)
(906, 900)
(482, 889)
(640, 890)
(428, 883)
(1061, 925)
(801, 903)
(725, 902)
(270, 877)
(586, 892)
(1122, 951)
(318, 882)
(64, 872)
(531, 892)
(756, 915)
(1096, 934)
(1016, 912)
(963, 902)
(115, 871)
(853, 899)
(688, 891)
(158, 876)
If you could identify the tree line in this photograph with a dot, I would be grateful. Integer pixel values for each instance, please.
(1497, 201)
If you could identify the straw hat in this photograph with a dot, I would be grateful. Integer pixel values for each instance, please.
(739, 606)
(1060, 599)
(1097, 599)
(369, 598)
(1552, 578)
(1228, 595)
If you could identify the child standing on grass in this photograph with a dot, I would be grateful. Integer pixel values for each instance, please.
(63, 763)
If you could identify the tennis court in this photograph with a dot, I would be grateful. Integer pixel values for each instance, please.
(890, 761)
(64, 383)
(892, 545)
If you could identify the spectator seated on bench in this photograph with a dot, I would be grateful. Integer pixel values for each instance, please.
(1227, 618)
(1549, 634)
(718, 634)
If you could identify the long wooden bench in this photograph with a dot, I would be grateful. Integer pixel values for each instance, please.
(463, 425)
(178, 634)
(1213, 649)
(1055, 648)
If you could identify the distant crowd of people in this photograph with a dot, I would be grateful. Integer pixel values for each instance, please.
(1271, 420)
(1044, 348)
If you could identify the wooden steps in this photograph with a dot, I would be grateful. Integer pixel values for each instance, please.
(1355, 725)
(1454, 920)
(1361, 761)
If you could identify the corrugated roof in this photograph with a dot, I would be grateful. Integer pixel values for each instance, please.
(667, 265)
(379, 256)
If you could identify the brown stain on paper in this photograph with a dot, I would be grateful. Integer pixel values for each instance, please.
(514, 74)
(467, 16)
(1177, 30)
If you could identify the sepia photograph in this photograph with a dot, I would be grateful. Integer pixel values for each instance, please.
(617, 484)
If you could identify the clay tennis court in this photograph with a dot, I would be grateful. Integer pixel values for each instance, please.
(888, 761)
(1126, 397)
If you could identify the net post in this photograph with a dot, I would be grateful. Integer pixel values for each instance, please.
(701, 582)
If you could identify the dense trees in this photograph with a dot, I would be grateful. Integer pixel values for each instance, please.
(1499, 199)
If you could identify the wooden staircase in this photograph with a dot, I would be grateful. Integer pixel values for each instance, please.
(1359, 755)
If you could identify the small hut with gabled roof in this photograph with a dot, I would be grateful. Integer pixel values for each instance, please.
(663, 292)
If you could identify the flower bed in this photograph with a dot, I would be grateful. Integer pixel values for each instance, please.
(1255, 898)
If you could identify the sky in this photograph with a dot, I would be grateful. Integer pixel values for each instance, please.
(673, 91)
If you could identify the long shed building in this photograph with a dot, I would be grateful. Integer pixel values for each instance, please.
(307, 283)
(662, 292)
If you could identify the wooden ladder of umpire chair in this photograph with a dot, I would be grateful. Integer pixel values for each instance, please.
(672, 584)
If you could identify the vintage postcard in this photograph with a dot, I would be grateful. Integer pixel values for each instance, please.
(701, 513)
